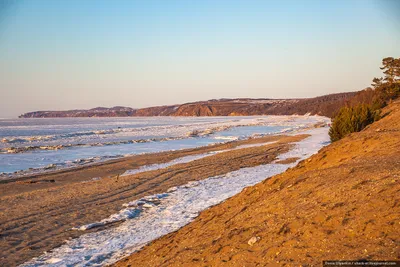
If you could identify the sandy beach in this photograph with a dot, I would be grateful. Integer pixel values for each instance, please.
(39, 212)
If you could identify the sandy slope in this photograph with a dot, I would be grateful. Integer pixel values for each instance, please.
(342, 203)
(37, 215)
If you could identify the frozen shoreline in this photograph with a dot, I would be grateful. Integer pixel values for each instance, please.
(187, 159)
(158, 215)
(66, 159)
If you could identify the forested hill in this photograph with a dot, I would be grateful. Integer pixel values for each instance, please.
(325, 105)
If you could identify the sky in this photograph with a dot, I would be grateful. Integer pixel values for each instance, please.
(74, 54)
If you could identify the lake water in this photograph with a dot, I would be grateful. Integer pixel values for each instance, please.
(39, 144)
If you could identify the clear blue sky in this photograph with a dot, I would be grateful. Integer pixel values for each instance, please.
(82, 54)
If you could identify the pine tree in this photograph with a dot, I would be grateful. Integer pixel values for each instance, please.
(366, 107)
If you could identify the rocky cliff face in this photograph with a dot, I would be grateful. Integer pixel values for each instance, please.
(324, 105)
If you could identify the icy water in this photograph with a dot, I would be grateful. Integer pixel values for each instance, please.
(33, 145)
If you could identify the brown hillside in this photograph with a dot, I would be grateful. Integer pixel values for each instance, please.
(325, 105)
(342, 203)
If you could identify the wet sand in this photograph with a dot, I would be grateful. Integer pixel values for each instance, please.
(38, 212)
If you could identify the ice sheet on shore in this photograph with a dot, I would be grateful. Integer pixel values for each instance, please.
(165, 213)
(186, 159)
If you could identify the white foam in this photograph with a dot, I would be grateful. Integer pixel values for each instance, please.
(168, 212)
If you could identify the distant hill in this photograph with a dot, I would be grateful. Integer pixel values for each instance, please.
(325, 105)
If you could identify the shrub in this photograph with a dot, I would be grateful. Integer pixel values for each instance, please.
(365, 107)
(351, 119)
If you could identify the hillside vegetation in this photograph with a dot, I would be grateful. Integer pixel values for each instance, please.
(365, 107)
